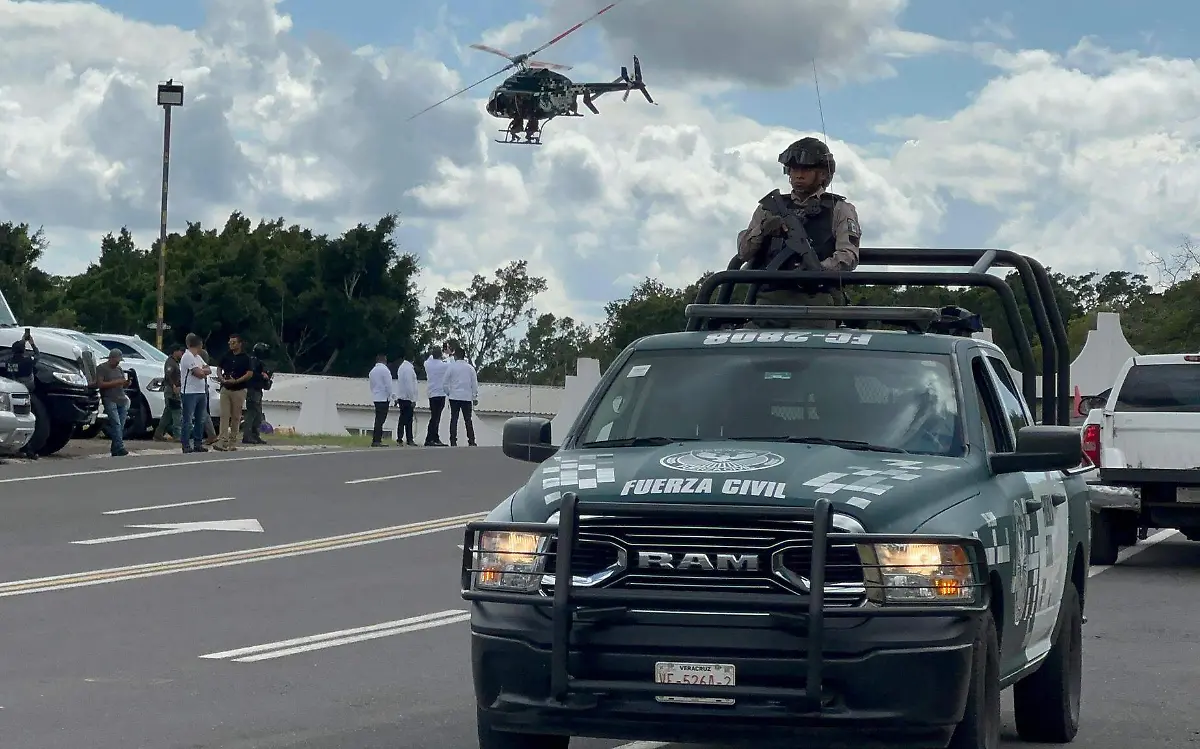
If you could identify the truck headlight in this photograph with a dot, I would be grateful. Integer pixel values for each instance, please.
(510, 561)
(5, 403)
(71, 378)
(919, 573)
(156, 385)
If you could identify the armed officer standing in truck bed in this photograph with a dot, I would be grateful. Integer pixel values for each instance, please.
(809, 229)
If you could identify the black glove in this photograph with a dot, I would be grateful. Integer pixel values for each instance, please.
(772, 226)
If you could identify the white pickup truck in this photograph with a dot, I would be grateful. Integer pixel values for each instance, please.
(1145, 439)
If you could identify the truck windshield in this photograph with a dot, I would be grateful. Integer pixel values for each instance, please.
(7, 318)
(1161, 387)
(900, 401)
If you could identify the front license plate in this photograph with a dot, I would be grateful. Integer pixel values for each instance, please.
(698, 674)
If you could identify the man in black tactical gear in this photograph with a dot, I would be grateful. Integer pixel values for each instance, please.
(829, 221)
(260, 380)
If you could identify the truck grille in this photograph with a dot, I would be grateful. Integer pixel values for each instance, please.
(782, 548)
(21, 405)
(87, 362)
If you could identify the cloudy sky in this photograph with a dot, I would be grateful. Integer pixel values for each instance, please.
(1066, 130)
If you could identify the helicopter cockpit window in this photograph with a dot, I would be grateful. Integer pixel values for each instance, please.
(896, 400)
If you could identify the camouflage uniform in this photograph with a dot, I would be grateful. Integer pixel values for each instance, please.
(832, 226)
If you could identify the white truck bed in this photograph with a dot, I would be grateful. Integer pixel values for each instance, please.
(1146, 442)
(1150, 427)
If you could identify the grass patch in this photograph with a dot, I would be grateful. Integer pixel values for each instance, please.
(338, 440)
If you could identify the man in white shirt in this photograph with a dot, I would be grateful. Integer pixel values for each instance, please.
(406, 399)
(193, 392)
(380, 380)
(435, 385)
(462, 390)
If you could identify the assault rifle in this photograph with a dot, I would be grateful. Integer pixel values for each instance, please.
(795, 243)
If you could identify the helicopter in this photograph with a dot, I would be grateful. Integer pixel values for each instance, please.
(536, 94)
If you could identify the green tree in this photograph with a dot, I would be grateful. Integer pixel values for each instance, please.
(548, 351)
(483, 316)
(34, 295)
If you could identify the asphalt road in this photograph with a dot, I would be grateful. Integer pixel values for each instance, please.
(204, 636)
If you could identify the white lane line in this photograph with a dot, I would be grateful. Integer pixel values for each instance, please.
(1132, 551)
(234, 558)
(173, 504)
(298, 645)
(644, 745)
(179, 464)
(389, 478)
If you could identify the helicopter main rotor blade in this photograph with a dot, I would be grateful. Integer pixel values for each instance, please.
(493, 50)
(576, 27)
(460, 91)
(550, 65)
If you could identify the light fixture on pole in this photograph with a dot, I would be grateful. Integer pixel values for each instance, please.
(170, 94)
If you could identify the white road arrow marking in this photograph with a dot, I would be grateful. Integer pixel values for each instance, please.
(248, 525)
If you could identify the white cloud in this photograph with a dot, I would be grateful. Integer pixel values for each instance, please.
(1089, 155)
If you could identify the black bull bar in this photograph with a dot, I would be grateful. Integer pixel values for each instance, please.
(570, 603)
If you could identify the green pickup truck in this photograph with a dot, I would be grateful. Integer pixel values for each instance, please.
(779, 537)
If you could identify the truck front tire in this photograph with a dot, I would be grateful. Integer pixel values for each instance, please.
(1046, 703)
(980, 725)
(41, 426)
(490, 738)
(60, 435)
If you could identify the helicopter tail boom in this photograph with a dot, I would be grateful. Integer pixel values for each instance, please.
(592, 91)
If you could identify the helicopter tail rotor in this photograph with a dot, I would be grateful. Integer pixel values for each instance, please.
(637, 83)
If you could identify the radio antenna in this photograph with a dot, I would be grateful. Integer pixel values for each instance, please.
(820, 107)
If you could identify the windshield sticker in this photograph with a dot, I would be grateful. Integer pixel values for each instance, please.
(721, 461)
(856, 339)
(777, 375)
(732, 487)
(584, 472)
(638, 371)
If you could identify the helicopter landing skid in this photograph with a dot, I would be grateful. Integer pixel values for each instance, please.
(516, 139)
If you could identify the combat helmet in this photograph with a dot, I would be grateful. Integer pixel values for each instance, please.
(811, 152)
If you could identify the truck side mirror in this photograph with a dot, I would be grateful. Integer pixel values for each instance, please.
(528, 438)
(1041, 448)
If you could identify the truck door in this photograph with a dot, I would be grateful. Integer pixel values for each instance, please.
(1041, 527)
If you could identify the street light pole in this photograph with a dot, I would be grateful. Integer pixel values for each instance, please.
(170, 94)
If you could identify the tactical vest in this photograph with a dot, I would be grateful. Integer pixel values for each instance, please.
(818, 222)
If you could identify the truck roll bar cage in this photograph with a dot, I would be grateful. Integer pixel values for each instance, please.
(1035, 281)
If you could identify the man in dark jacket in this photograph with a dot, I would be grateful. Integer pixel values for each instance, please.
(260, 380)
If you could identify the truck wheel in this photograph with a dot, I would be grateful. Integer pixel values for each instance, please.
(60, 435)
(980, 725)
(41, 425)
(492, 739)
(1046, 703)
(136, 424)
(1104, 539)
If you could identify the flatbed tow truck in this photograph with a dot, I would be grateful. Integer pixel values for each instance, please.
(795, 537)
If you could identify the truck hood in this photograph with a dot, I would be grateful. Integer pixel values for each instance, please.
(886, 492)
(49, 343)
